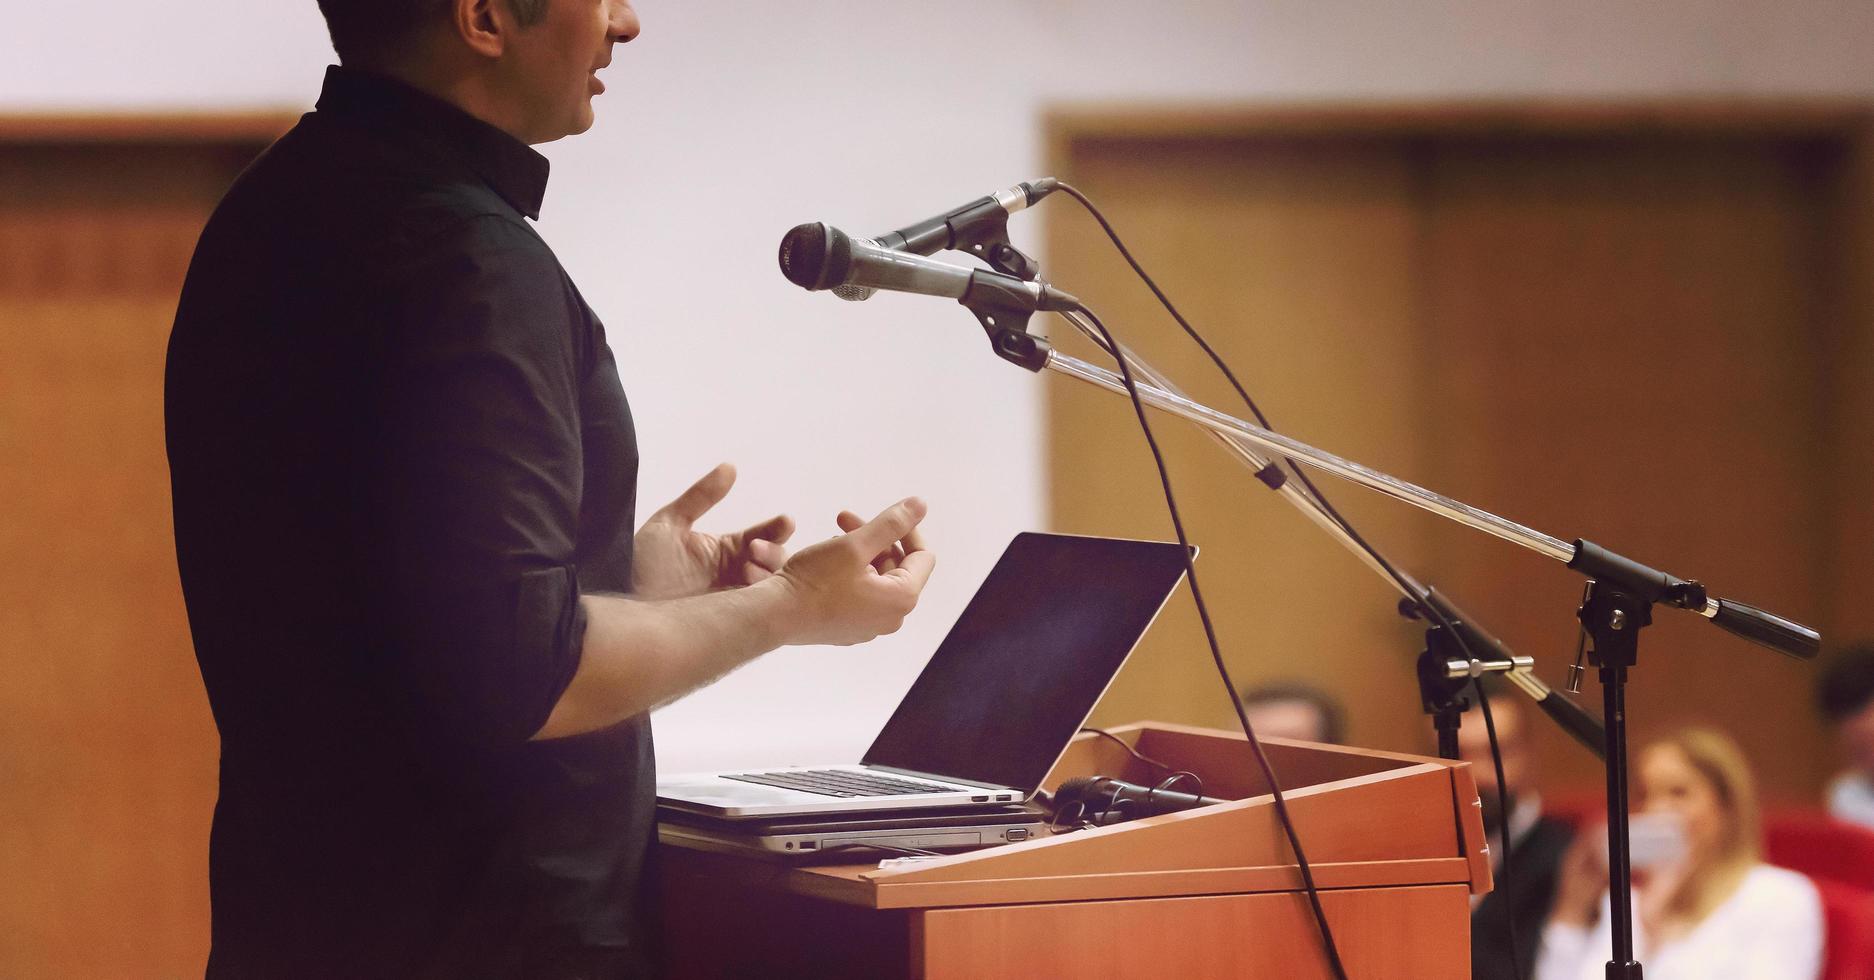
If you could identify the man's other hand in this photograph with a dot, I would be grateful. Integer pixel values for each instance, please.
(672, 559)
(862, 584)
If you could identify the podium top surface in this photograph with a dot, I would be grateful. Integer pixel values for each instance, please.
(1366, 819)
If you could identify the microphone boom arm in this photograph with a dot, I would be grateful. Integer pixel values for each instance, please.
(1577, 721)
(1782, 635)
(1247, 452)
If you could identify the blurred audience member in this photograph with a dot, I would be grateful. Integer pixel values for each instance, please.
(1294, 710)
(1845, 692)
(1706, 907)
(1536, 844)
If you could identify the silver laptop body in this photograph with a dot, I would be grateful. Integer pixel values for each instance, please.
(861, 838)
(998, 702)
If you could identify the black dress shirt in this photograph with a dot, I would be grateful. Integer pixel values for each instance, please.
(399, 451)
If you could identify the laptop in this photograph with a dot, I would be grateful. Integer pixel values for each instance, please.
(998, 702)
(856, 837)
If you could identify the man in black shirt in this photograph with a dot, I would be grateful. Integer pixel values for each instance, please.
(404, 480)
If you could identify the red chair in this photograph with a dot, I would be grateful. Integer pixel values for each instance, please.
(1819, 846)
(1839, 859)
(1848, 924)
(1809, 841)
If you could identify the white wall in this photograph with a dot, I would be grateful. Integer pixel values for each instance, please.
(726, 124)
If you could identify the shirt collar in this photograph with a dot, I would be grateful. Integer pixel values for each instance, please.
(510, 167)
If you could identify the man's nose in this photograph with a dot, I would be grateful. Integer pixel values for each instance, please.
(624, 21)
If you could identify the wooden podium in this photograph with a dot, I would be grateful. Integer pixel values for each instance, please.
(1395, 842)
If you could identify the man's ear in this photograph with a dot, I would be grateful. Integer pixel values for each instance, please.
(481, 24)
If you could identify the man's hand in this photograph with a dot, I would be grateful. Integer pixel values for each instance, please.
(849, 589)
(639, 655)
(671, 559)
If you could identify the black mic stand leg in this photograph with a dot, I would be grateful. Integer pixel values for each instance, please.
(1614, 618)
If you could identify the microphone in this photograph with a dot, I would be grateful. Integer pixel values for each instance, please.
(1099, 796)
(957, 227)
(818, 256)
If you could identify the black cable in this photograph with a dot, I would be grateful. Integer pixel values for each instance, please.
(1136, 754)
(1204, 345)
(1320, 498)
(1210, 636)
(1255, 410)
(1112, 800)
(1327, 507)
(1059, 822)
(1503, 808)
(1164, 785)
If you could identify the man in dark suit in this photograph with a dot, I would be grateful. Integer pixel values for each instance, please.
(1536, 844)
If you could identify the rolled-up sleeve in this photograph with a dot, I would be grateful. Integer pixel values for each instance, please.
(478, 474)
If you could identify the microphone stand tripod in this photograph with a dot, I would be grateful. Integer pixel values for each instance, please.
(1618, 604)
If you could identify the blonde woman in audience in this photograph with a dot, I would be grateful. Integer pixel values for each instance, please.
(1707, 908)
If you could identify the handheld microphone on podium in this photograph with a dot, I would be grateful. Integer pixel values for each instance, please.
(818, 256)
(958, 228)
(1109, 800)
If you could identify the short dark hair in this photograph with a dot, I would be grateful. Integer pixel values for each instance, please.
(366, 30)
(1333, 716)
(1846, 684)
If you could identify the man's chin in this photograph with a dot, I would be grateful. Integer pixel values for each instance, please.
(583, 120)
(578, 124)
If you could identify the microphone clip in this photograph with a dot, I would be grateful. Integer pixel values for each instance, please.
(980, 228)
(1004, 309)
(989, 241)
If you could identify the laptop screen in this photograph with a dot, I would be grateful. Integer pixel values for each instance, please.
(1034, 649)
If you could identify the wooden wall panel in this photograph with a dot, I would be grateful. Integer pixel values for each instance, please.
(1626, 337)
(1644, 327)
(107, 749)
(1849, 340)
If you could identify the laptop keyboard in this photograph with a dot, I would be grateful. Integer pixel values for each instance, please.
(842, 783)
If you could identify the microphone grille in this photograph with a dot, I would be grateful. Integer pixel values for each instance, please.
(816, 256)
(1077, 789)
